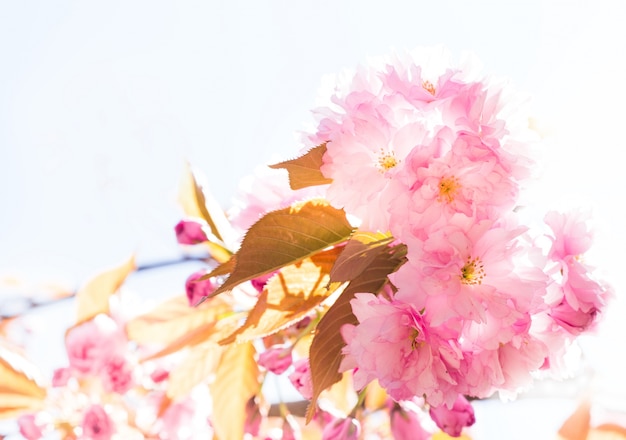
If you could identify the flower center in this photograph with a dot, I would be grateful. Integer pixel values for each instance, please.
(473, 272)
(429, 87)
(386, 160)
(448, 187)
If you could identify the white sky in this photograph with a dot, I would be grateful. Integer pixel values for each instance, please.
(102, 102)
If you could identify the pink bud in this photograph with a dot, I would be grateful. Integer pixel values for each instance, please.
(190, 232)
(405, 425)
(301, 378)
(97, 425)
(28, 428)
(452, 420)
(276, 359)
(159, 375)
(61, 376)
(344, 429)
(198, 289)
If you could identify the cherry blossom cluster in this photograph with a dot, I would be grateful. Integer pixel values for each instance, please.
(437, 155)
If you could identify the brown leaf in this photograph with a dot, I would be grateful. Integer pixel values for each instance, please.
(305, 171)
(173, 319)
(19, 387)
(93, 297)
(325, 354)
(197, 202)
(288, 297)
(358, 254)
(236, 381)
(285, 237)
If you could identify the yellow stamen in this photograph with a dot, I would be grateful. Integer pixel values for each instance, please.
(429, 87)
(448, 187)
(386, 161)
(473, 272)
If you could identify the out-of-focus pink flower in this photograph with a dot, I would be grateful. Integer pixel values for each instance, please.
(198, 289)
(29, 428)
(344, 429)
(259, 282)
(574, 321)
(159, 375)
(301, 378)
(405, 425)
(117, 375)
(453, 420)
(276, 359)
(91, 344)
(191, 231)
(97, 425)
(291, 429)
(61, 376)
(176, 421)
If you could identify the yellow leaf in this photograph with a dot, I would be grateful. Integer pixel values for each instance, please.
(197, 202)
(285, 237)
(236, 381)
(341, 394)
(288, 297)
(305, 170)
(174, 319)
(375, 396)
(19, 387)
(93, 298)
(443, 436)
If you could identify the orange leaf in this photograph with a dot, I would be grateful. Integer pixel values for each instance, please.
(288, 297)
(325, 354)
(236, 381)
(576, 427)
(285, 237)
(358, 253)
(174, 319)
(93, 298)
(305, 171)
(19, 387)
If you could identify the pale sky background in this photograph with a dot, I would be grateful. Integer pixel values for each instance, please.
(102, 102)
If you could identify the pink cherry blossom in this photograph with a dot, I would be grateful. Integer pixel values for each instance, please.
(97, 425)
(29, 428)
(191, 231)
(91, 344)
(453, 419)
(405, 425)
(61, 376)
(117, 375)
(301, 378)
(276, 359)
(394, 344)
(345, 429)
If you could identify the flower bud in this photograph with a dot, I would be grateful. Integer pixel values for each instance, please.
(276, 359)
(29, 429)
(405, 425)
(452, 420)
(198, 289)
(190, 232)
(301, 378)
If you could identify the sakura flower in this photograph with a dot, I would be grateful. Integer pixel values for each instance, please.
(191, 231)
(345, 429)
(117, 375)
(61, 376)
(405, 425)
(394, 344)
(571, 236)
(29, 428)
(301, 378)
(453, 419)
(91, 344)
(96, 424)
(276, 359)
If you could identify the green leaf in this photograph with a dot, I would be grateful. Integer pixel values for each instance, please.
(325, 353)
(236, 381)
(285, 237)
(305, 171)
(288, 297)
